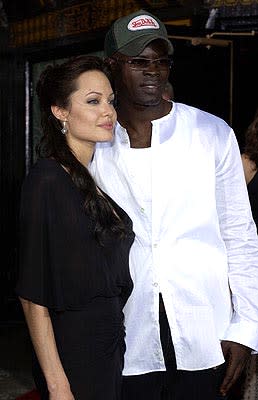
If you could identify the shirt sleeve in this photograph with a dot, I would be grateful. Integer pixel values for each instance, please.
(238, 231)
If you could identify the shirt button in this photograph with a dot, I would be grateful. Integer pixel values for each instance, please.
(155, 245)
(142, 209)
(155, 284)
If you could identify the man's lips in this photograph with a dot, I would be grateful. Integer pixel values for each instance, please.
(150, 85)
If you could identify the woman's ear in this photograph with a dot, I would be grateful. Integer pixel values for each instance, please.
(60, 113)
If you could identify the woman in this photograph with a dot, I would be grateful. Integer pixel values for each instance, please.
(74, 275)
(250, 164)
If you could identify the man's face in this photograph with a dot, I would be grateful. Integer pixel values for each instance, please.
(142, 82)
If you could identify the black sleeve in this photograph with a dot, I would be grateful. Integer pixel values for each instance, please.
(34, 264)
(62, 265)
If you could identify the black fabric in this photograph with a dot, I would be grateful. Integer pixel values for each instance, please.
(173, 384)
(252, 188)
(84, 285)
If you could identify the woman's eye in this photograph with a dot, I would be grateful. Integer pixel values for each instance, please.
(93, 101)
(112, 102)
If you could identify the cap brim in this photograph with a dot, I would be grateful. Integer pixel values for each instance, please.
(136, 46)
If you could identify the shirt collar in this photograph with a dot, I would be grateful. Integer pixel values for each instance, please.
(123, 137)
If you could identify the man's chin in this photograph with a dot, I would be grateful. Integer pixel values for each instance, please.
(148, 103)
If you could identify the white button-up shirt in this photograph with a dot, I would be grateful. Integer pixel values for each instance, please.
(196, 241)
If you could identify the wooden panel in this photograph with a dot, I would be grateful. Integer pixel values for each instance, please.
(74, 20)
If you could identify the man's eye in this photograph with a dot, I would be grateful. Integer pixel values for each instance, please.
(139, 62)
(164, 62)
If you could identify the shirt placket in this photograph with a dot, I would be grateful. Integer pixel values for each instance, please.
(155, 246)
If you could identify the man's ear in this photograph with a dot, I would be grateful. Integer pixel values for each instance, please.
(60, 113)
(109, 61)
(112, 63)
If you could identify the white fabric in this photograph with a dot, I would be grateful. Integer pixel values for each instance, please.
(199, 246)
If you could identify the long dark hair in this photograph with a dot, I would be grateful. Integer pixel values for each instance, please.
(251, 140)
(55, 86)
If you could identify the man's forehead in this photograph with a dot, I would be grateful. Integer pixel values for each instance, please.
(158, 46)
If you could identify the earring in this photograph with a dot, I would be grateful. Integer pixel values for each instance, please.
(64, 129)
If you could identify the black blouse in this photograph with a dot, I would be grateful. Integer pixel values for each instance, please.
(62, 266)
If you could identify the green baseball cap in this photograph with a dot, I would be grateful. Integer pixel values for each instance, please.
(131, 34)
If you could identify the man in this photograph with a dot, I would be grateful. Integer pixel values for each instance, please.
(177, 172)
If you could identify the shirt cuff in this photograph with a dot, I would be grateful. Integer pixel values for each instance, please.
(243, 332)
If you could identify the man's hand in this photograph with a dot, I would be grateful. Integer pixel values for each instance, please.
(236, 356)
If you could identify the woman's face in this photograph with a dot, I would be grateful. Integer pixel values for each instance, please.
(91, 115)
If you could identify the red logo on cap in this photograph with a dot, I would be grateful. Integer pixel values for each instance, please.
(142, 22)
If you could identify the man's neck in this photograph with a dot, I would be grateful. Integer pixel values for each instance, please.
(137, 119)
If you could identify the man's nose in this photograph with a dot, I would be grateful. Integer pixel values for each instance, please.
(153, 68)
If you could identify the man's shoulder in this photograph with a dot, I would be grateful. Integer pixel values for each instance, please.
(198, 115)
(210, 129)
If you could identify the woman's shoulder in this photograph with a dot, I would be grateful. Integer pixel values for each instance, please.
(45, 164)
(45, 168)
(45, 173)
